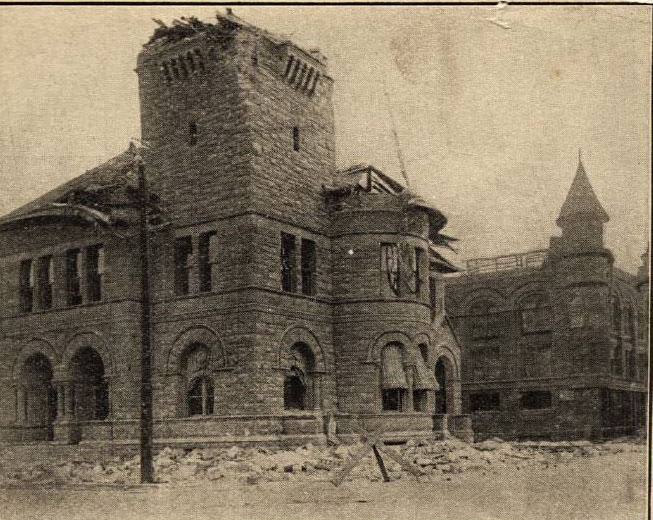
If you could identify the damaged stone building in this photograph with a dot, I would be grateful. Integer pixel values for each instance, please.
(555, 342)
(290, 299)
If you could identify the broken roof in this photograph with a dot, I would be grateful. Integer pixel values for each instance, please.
(111, 174)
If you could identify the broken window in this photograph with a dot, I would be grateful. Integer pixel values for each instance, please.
(94, 272)
(46, 282)
(200, 396)
(183, 252)
(484, 401)
(295, 138)
(308, 267)
(208, 254)
(534, 314)
(288, 277)
(294, 391)
(192, 133)
(393, 378)
(390, 267)
(535, 400)
(74, 277)
(417, 270)
(26, 284)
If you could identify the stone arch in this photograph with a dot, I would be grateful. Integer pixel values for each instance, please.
(196, 335)
(422, 338)
(445, 351)
(446, 377)
(299, 334)
(31, 347)
(374, 350)
(525, 290)
(481, 294)
(88, 339)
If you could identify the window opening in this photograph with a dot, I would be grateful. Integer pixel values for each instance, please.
(288, 278)
(192, 133)
(46, 282)
(26, 285)
(183, 252)
(208, 251)
(295, 138)
(535, 400)
(308, 259)
(95, 272)
(74, 276)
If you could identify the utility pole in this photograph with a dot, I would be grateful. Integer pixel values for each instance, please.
(147, 469)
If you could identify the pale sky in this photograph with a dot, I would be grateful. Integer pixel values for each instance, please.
(491, 106)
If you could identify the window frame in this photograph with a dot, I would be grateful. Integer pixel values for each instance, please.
(390, 270)
(183, 253)
(485, 404)
(95, 268)
(548, 404)
(288, 260)
(206, 259)
(73, 264)
(308, 256)
(26, 280)
(46, 282)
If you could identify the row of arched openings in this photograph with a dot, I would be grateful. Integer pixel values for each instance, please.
(83, 396)
(396, 386)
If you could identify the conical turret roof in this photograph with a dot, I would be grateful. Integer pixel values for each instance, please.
(581, 201)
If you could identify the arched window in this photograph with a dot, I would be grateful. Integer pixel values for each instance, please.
(299, 384)
(616, 314)
(197, 380)
(200, 396)
(484, 320)
(394, 384)
(534, 315)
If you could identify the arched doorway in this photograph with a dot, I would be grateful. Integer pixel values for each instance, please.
(298, 384)
(90, 397)
(40, 398)
(444, 374)
(197, 383)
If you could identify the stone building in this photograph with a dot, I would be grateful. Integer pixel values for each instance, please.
(289, 297)
(555, 342)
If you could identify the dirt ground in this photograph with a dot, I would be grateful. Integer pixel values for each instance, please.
(607, 486)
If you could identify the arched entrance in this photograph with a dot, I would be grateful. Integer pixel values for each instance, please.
(39, 402)
(444, 374)
(298, 384)
(90, 396)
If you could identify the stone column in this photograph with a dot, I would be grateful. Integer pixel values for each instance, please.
(409, 406)
(68, 391)
(61, 402)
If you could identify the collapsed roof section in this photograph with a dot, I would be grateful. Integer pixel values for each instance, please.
(104, 196)
(365, 178)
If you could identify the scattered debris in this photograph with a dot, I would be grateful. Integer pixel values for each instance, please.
(252, 465)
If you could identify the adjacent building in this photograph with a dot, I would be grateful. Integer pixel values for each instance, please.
(291, 300)
(555, 342)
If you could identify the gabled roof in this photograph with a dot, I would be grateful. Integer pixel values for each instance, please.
(581, 201)
(111, 173)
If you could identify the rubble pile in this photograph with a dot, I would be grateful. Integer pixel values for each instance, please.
(433, 459)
